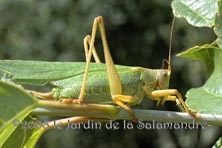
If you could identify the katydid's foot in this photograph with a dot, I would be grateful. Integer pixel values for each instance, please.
(134, 119)
(194, 114)
(71, 101)
(77, 101)
(185, 108)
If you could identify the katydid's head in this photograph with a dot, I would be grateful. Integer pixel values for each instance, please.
(155, 80)
(163, 78)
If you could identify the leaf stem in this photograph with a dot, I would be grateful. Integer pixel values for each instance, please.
(81, 109)
(145, 115)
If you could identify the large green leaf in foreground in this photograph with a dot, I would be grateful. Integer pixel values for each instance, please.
(15, 103)
(208, 98)
(27, 137)
(218, 144)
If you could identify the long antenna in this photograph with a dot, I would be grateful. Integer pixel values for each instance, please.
(170, 46)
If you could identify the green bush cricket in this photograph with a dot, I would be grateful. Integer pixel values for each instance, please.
(97, 83)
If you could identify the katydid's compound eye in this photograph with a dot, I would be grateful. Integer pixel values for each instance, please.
(163, 79)
(143, 83)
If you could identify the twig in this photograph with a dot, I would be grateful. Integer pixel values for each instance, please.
(145, 115)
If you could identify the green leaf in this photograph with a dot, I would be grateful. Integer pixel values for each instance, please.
(218, 24)
(202, 53)
(15, 104)
(208, 98)
(24, 136)
(42, 72)
(198, 13)
(218, 144)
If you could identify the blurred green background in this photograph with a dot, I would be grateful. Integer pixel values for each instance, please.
(138, 33)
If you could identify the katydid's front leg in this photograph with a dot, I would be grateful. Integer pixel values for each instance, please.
(161, 96)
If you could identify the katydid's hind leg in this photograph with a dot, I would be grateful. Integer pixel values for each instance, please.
(122, 101)
(113, 77)
(86, 47)
(172, 95)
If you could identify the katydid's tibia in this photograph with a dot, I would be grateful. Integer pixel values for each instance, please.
(98, 83)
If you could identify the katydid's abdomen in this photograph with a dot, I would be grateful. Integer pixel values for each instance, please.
(97, 86)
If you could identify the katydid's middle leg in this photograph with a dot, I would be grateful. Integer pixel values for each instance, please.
(87, 41)
(88, 53)
(122, 101)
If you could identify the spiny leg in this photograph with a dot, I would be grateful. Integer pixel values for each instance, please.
(172, 95)
(113, 77)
